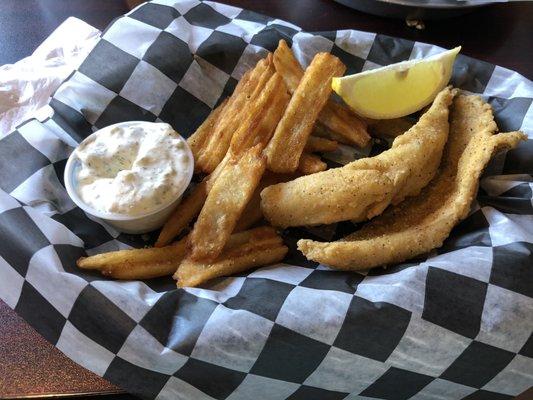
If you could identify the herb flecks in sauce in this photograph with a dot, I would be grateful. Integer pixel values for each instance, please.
(132, 170)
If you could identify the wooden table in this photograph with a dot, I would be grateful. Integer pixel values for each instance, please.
(501, 34)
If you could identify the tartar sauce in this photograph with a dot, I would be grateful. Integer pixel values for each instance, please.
(132, 169)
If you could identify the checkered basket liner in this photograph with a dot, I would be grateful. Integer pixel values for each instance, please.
(454, 324)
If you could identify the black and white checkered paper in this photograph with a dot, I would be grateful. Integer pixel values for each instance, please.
(454, 324)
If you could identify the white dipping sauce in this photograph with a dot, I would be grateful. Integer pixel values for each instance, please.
(132, 169)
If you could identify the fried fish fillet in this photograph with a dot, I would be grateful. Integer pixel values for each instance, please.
(364, 188)
(422, 223)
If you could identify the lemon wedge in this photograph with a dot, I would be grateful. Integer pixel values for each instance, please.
(397, 89)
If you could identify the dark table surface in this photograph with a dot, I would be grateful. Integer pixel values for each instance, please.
(500, 34)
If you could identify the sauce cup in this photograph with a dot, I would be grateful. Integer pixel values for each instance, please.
(136, 224)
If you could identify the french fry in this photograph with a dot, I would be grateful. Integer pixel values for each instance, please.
(264, 78)
(137, 263)
(272, 117)
(213, 176)
(211, 179)
(341, 123)
(186, 211)
(259, 127)
(231, 117)
(389, 128)
(225, 203)
(252, 213)
(198, 139)
(288, 66)
(243, 89)
(340, 120)
(244, 250)
(317, 144)
(311, 164)
(264, 114)
(321, 131)
(287, 144)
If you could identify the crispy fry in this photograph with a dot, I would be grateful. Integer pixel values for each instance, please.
(288, 66)
(340, 120)
(311, 164)
(287, 144)
(197, 140)
(270, 176)
(264, 78)
(252, 213)
(186, 211)
(137, 263)
(389, 128)
(320, 145)
(190, 207)
(244, 250)
(225, 202)
(273, 116)
(321, 131)
(262, 134)
(232, 115)
(264, 114)
(211, 179)
(335, 117)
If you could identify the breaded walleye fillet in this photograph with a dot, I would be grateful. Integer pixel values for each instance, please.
(364, 188)
(421, 223)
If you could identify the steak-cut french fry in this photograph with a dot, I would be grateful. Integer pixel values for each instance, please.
(244, 250)
(340, 120)
(287, 144)
(198, 139)
(264, 78)
(317, 144)
(288, 66)
(389, 128)
(137, 263)
(321, 131)
(241, 92)
(272, 116)
(311, 164)
(231, 191)
(344, 124)
(264, 114)
(252, 213)
(233, 114)
(211, 179)
(186, 211)
(259, 127)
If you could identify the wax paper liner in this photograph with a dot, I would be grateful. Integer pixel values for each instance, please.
(453, 324)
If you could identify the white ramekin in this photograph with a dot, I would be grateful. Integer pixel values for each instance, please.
(125, 223)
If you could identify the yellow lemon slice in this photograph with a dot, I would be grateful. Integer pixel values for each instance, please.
(397, 89)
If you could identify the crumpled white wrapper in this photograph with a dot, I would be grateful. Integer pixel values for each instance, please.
(26, 86)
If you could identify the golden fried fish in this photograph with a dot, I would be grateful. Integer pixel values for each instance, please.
(364, 188)
(422, 223)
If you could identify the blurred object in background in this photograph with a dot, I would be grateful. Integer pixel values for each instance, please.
(417, 9)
